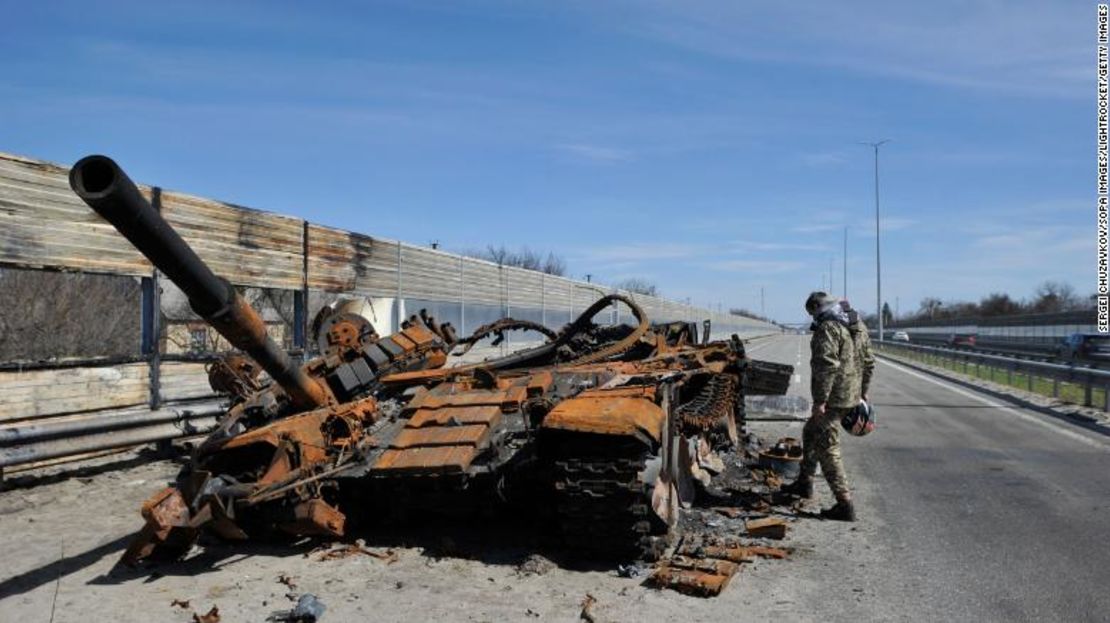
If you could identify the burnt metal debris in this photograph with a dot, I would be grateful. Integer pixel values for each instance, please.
(601, 428)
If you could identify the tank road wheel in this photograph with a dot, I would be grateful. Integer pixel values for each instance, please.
(603, 487)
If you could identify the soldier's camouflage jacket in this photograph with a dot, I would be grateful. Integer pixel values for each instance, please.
(864, 356)
(835, 366)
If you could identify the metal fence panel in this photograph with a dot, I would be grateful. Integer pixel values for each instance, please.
(248, 247)
(482, 284)
(43, 224)
(342, 261)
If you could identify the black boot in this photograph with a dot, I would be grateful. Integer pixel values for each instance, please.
(842, 511)
(802, 487)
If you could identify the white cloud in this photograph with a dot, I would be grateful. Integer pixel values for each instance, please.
(750, 245)
(595, 153)
(886, 223)
(824, 159)
(640, 252)
(754, 266)
(814, 228)
(1018, 46)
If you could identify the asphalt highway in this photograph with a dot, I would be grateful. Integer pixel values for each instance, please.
(970, 510)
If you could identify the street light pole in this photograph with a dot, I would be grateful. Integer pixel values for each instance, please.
(878, 266)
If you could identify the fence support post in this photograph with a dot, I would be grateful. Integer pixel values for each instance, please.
(151, 329)
(462, 302)
(399, 306)
(152, 320)
(300, 315)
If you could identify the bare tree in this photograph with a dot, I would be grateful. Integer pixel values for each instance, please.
(639, 286)
(998, 304)
(929, 307)
(1055, 296)
(525, 258)
(554, 265)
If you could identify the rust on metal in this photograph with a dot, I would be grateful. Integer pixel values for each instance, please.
(767, 528)
(606, 421)
(705, 577)
(617, 415)
(234, 375)
(328, 552)
(212, 616)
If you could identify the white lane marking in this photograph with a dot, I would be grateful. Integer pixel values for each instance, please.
(797, 379)
(1032, 419)
(760, 346)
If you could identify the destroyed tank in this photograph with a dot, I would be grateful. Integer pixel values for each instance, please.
(600, 430)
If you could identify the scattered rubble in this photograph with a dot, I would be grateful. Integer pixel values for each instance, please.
(767, 528)
(535, 564)
(587, 603)
(704, 566)
(309, 609)
(212, 616)
(346, 550)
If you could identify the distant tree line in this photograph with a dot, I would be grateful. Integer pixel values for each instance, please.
(1049, 297)
(552, 264)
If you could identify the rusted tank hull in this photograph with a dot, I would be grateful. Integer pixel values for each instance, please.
(603, 423)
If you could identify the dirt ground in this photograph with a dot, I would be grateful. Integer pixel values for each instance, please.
(61, 540)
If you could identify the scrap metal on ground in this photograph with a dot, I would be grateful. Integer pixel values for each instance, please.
(603, 432)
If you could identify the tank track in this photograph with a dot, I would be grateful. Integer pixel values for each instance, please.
(713, 410)
(602, 505)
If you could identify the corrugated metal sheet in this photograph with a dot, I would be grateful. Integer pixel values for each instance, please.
(43, 224)
(342, 261)
(482, 281)
(247, 247)
(41, 393)
(524, 288)
(429, 274)
(559, 294)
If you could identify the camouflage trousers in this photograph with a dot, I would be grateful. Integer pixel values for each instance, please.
(821, 445)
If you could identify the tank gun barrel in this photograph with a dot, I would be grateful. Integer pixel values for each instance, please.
(103, 185)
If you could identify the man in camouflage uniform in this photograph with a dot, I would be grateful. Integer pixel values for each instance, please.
(835, 387)
(862, 339)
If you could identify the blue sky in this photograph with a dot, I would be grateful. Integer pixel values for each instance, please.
(710, 147)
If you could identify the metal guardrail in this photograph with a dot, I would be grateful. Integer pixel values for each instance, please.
(34, 441)
(1087, 378)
